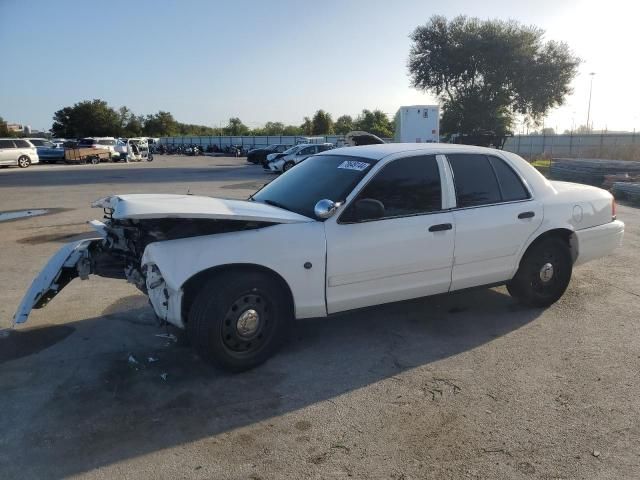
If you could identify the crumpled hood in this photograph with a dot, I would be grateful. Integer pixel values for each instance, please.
(140, 206)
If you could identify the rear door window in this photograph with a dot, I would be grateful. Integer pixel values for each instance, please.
(6, 144)
(510, 184)
(22, 144)
(475, 181)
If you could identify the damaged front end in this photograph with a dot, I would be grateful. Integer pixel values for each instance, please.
(118, 251)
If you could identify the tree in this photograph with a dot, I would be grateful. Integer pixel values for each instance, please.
(161, 124)
(322, 123)
(343, 125)
(292, 130)
(235, 127)
(375, 122)
(273, 128)
(87, 118)
(486, 72)
(307, 127)
(4, 130)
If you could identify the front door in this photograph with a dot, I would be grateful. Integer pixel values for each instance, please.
(393, 241)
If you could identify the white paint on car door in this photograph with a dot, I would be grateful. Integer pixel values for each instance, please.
(374, 261)
(495, 217)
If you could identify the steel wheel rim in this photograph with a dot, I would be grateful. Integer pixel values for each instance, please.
(248, 324)
(545, 277)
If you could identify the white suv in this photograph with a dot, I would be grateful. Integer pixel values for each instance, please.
(17, 151)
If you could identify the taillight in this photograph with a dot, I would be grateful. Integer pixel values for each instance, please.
(613, 209)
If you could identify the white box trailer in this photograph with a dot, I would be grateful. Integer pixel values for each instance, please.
(418, 124)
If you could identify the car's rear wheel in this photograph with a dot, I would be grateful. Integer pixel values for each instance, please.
(544, 273)
(238, 320)
(288, 166)
(24, 161)
(95, 160)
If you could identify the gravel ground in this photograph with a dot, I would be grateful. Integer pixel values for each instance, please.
(469, 385)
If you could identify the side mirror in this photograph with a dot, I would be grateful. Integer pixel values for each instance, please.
(325, 209)
(368, 209)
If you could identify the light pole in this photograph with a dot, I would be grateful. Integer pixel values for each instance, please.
(589, 107)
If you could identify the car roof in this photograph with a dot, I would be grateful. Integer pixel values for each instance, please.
(377, 152)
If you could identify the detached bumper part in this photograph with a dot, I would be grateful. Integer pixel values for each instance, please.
(71, 261)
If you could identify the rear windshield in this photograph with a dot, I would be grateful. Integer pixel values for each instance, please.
(330, 177)
(86, 141)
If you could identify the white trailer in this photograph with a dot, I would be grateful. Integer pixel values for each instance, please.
(418, 124)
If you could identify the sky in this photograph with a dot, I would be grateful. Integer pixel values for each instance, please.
(206, 61)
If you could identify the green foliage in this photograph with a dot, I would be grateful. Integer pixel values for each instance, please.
(4, 130)
(235, 127)
(322, 123)
(343, 125)
(307, 127)
(486, 72)
(90, 117)
(375, 122)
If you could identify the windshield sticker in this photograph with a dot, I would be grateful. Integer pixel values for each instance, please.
(353, 165)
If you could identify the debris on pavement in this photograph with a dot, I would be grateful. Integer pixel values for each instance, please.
(132, 360)
(596, 453)
(152, 359)
(164, 376)
(168, 336)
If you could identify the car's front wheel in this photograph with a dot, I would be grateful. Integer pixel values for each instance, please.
(24, 161)
(288, 166)
(239, 319)
(544, 273)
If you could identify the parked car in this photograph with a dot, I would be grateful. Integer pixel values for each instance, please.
(17, 151)
(259, 155)
(349, 228)
(50, 152)
(104, 143)
(281, 162)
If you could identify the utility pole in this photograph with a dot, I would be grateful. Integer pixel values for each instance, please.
(589, 107)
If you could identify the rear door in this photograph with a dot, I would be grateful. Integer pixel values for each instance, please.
(495, 214)
(8, 152)
(401, 249)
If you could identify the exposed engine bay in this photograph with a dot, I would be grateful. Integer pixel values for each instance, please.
(119, 254)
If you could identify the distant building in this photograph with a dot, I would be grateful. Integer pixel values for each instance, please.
(19, 128)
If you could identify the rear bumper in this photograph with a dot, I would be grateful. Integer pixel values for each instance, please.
(596, 242)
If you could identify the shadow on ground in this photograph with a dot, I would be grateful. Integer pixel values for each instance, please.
(79, 404)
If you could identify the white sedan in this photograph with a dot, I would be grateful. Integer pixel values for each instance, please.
(349, 228)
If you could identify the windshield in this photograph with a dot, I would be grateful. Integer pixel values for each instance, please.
(271, 148)
(295, 148)
(319, 177)
(86, 141)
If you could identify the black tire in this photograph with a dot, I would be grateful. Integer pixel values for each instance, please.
(24, 161)
(288, 166)
(227, 304)
(95, 160)
(535, 283)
